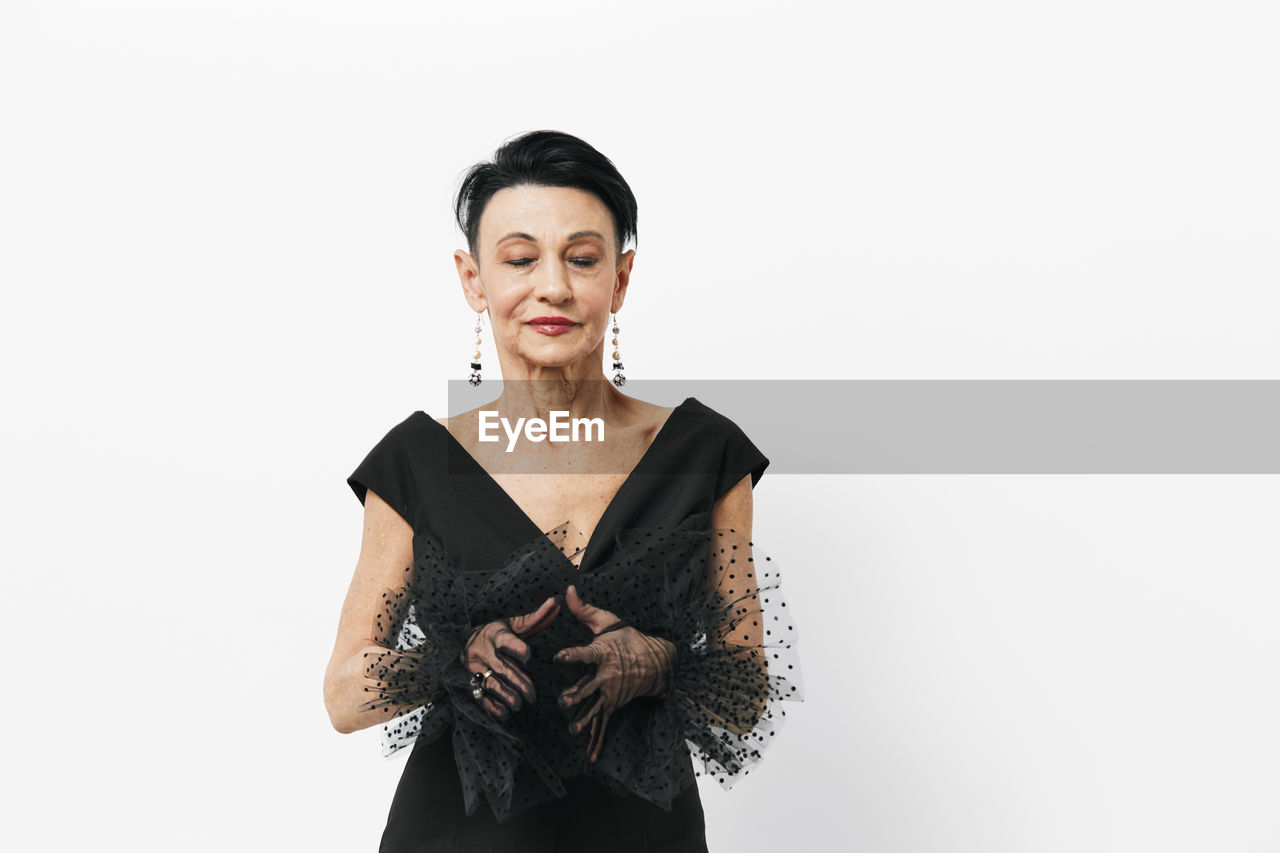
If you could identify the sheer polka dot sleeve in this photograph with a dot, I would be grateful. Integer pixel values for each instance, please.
(719, 601)
(412, 672)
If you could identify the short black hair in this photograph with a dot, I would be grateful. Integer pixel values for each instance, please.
(547, 158)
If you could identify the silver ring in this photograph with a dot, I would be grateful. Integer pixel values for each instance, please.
(477, 683)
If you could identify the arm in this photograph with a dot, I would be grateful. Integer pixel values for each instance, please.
(386, 548)
(733, 511)
(369, 680)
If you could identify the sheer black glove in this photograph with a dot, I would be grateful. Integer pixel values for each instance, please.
(627, 663)
(495, 648)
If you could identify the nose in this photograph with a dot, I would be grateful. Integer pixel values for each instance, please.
(551, 283)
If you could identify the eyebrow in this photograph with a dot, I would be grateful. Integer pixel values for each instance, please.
(576, 235)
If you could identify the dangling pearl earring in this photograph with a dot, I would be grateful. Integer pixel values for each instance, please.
(618, 378)
(475, 359)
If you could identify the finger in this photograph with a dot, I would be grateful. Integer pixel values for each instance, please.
(506, 661)
(532, 623)
(481, 643)
(507, 643)
(495, 708)
(585, 703)
(511, 678)
(498, 684)
(578, 654)
(510, 644)
(579, 691)
(593, 617)
(597, 735)
(500, 691)
(591, 741)
(586, 711)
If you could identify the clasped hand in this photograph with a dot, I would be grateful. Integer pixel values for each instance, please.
(627, 664)
(495, 647)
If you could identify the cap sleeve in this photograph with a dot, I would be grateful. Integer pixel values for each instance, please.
(388, 472)
(741, 457)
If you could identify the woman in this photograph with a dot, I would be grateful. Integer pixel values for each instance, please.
(575, 634)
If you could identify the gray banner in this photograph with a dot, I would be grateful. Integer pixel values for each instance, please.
(985, 426)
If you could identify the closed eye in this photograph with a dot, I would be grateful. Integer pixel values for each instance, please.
(520, 262)
(583, 262)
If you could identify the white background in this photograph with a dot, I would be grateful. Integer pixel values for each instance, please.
(225, 238)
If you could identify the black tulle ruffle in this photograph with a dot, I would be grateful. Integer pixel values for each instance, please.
(709, 591)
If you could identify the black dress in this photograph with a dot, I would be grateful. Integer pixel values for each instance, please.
(472, 783)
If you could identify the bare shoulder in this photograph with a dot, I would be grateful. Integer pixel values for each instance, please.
(734, 508)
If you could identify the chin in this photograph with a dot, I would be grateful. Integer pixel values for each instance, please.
(542, 360)
(552, 364)
(551, 355)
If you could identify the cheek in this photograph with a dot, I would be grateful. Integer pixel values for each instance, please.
(600, 288)
(504, 296)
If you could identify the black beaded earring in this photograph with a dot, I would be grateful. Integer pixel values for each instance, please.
(475, 359)
(618, 378)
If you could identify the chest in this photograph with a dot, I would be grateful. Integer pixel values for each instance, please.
(568, 506)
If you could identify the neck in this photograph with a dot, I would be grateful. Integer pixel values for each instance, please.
(582, 397)
(581, 389)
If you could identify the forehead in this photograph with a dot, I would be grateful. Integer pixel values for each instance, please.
(543, 212)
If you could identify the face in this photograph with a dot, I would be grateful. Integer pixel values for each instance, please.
(547, 270)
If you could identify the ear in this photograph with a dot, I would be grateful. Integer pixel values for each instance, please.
(622, 277)
(469, 276)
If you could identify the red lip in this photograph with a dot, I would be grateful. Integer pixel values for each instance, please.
(552, 325)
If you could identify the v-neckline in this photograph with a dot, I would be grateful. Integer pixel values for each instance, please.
(590, 548)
